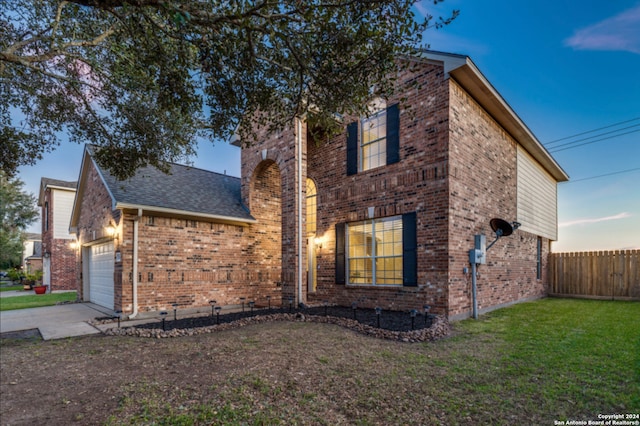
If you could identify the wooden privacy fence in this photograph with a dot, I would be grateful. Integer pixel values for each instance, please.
(599, 275)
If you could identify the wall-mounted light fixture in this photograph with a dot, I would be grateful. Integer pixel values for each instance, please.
(74, 245)
(110, 230)
(318, 242)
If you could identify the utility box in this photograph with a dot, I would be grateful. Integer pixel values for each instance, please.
(480, 245)
(476, 257)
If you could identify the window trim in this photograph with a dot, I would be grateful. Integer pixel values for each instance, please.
(364, 121)
(373, 257)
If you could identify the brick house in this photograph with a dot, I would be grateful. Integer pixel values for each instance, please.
(58, 257)
(383, 214)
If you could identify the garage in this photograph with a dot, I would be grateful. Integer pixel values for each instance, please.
(101, 264)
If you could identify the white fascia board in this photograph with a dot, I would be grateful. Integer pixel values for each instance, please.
(176, 212)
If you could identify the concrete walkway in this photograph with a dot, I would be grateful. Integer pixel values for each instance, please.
(54, 322)
(71, 319)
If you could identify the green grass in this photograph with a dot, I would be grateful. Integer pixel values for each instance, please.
(11, 287)
(530, 364)
(35, 301)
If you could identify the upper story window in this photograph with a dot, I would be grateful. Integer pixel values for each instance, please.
(46, 215)
(373, 141)
(373, 137)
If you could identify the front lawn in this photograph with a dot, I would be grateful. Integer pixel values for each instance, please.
(535, 363)
(35, 300)
(15, 287)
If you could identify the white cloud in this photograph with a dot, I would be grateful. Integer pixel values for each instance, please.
(623, 215)
(620, 32)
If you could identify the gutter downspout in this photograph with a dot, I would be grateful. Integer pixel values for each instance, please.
(135, 264)
(299, 146)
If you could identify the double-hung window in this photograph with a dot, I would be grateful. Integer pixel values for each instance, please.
(373, 141)
(376, 252)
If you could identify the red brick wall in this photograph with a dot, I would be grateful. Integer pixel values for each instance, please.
(483, 184)
(269, 170)
(416, 184)
(191, 263)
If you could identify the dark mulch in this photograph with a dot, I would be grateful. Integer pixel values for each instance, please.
(388, 320)
(31, 334)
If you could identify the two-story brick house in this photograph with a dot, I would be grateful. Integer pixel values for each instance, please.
(383, 214)
(58, 257)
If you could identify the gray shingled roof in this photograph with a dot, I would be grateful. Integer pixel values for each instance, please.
(57, 182)
(185, 188)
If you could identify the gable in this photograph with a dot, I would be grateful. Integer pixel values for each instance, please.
(61, 214)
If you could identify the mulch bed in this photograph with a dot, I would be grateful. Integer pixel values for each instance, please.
(394, 325)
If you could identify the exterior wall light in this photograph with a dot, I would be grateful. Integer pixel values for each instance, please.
(110, 230)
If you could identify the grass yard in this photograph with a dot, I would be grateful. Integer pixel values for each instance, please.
(533, 363)
(35, 301)
(11, 287)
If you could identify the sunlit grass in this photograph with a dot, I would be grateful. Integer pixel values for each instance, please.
(35, 301)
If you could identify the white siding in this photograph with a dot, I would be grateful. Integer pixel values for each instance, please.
(537, 198)
(62, 206)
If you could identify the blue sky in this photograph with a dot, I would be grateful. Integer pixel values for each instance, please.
(565, 67)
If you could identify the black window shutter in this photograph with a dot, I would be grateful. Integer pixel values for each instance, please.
(393, 134)
(409, 250)
(352, 148)
(340, 253)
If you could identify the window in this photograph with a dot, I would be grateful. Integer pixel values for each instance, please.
(312, 206)
(377, 252)
(46, 215)
(539, 259)
(374, 141)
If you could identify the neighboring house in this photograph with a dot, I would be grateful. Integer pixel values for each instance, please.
(32, 253)
(59, 257)
(383, 214)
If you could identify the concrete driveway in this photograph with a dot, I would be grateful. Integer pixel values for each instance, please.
(54, 322)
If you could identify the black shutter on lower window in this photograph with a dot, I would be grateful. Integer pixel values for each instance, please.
(409, 250)
(393, 134)
(340, 253)
(352, 148)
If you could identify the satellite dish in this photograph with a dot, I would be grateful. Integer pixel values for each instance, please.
(501, 227)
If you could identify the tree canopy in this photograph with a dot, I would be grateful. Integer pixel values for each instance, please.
(143, 79)
(17, 211)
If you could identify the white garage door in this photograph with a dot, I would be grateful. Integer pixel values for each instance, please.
(101, 275)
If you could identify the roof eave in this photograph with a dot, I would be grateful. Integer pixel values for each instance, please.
(475, 83)
(176, 212)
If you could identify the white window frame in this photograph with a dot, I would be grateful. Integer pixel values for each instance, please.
(373, 257)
